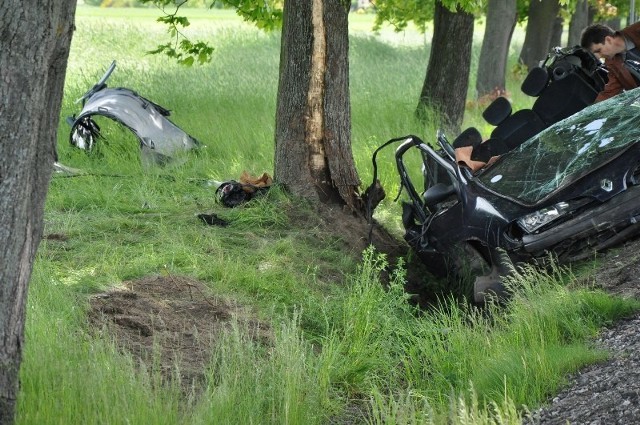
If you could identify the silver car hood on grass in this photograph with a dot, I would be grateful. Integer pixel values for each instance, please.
(160, 139)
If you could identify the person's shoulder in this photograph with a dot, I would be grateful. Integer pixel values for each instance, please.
(634, 28)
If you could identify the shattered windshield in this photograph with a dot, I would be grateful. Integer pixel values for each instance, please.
(567, 150)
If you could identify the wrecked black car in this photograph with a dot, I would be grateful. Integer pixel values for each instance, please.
(563, 182)
(160, 139)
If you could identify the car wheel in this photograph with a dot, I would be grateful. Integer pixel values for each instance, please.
(480, 274)
(489, 288)
(467, 264)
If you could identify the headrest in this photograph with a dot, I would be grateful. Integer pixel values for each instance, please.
(588, 61)
(565, 66)
(497, 111)
(535, 82)
(470, 137)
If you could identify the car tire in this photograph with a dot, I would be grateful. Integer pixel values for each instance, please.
(489, 288)
(480, 280)
(467, 264)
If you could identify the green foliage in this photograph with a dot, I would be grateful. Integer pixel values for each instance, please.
(183, 50)
(399, 13)
(522, 13)
(186, 52)
(265, 14)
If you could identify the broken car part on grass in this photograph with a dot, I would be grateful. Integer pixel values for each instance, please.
(160, 139)
(561, 178)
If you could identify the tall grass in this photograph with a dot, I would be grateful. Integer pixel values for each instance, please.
(460, 365)
(68, 377)
(451, 362)
(345, 346)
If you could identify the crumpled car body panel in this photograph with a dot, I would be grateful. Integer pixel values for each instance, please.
(160, 139)
(565, 193)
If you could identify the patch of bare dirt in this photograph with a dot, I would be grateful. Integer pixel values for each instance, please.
(170, 321)
(174, 321)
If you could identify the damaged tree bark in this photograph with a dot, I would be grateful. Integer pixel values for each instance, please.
(34, 46)
(313, 157)
(314, 125)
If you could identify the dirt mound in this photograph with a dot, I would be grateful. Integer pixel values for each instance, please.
(174, 321)
(170, 321)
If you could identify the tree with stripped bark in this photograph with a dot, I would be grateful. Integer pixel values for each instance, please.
(313, 157)
(313, 117)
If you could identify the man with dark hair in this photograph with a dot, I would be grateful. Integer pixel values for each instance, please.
(615, 47)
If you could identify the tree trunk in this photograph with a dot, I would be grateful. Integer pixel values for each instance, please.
(447, 79)
(542, 14)
(34, 46)
(615, 23)
(579, 21)
(313, 157)
(556, 33)
(492, 66)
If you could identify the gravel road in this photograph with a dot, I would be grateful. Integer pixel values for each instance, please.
(607, 393)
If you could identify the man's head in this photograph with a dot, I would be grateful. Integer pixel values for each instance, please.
(601, 40)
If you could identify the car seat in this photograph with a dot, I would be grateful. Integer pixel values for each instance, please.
(565, 86)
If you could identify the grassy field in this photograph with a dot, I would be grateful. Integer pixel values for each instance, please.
(341, 348)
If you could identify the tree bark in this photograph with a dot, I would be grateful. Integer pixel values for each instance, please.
(447, 79)
(615, 23)
(556, 33)
(542, 14)
(579, 21)
(313, 157)
(492, 66)
(34, 46)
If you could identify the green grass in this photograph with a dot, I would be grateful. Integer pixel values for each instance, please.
(344, 347)
(68, 377)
